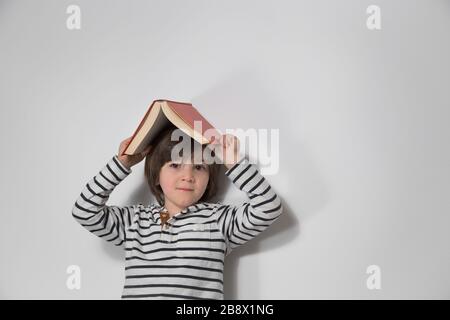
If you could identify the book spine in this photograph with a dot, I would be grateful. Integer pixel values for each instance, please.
(140, 125)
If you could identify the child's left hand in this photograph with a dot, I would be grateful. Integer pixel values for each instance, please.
(227, 149)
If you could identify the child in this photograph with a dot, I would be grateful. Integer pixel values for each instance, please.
(175, 249)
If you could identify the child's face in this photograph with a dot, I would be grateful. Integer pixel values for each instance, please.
(183, 183)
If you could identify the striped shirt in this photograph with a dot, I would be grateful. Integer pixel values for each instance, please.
(185, 259)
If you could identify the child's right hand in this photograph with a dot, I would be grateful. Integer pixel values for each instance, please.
(129, 161)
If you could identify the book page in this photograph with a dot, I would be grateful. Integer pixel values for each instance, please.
(160, 123)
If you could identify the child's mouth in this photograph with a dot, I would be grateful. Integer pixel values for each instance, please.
(184, 189)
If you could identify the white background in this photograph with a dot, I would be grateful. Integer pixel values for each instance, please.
(363, 119)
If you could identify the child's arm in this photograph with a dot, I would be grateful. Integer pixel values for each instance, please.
(239, 224)
(90, 209)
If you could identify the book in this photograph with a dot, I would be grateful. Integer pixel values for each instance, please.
(163, 113)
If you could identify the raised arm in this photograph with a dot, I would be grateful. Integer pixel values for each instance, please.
(239, 224)
(90, 209)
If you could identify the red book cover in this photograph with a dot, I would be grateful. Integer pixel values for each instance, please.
(189, 114)
(184, 111)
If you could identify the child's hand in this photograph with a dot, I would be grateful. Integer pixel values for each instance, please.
(129, 161)
(227, 149)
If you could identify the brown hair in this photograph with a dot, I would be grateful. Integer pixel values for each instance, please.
(161, 154)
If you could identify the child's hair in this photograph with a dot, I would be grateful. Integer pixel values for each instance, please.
(161, 154)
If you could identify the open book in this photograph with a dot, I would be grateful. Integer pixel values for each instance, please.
(161, 114)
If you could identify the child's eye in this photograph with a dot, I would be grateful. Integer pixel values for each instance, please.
(200, 167)
(174, 165)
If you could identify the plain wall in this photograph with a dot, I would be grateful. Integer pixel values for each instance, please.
(362, 117)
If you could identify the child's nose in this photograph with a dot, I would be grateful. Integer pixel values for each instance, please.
(188, 173)
(188, 179)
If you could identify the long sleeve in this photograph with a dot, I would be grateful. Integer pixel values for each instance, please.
(90, 210)
(239, 224)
